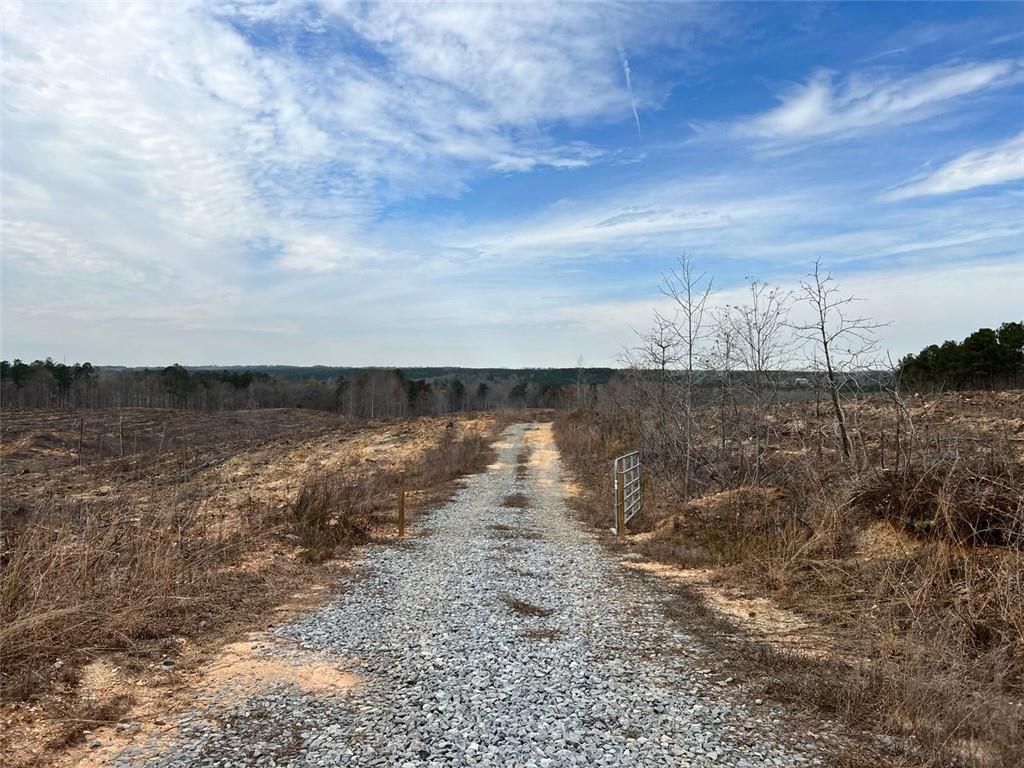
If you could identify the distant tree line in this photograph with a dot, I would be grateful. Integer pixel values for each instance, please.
(364, 393)
(728, 362)
(44, 382)
(987, 359)
(560, 377)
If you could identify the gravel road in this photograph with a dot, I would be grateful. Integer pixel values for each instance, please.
(497, 636)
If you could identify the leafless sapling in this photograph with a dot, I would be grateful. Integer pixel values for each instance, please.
(844, 341)
(689, 292)
(763, 348)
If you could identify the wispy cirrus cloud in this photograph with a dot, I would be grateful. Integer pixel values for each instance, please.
(983, 167)
(622, 226)
(824, 107)
(738, 222)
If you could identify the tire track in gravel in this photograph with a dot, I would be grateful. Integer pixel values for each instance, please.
(503, 636)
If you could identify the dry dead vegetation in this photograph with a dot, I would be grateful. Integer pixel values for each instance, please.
(204, 524)
(902, 572)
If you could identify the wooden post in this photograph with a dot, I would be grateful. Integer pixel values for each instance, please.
(620, 505)
(120, 434)
(81, 435)
(401, 503)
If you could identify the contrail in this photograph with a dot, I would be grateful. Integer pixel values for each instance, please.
(629, 87)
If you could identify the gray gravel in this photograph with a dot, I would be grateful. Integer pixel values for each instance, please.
(591, 674)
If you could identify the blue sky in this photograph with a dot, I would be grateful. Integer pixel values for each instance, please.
(345, 183)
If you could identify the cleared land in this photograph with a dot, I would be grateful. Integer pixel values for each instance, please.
(207, 526)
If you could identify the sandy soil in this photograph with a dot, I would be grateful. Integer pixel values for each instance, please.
(202, 674)
(757, 617)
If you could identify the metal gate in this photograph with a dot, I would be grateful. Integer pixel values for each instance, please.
(626, 475)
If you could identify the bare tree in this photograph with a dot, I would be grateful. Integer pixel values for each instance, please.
(843, 341)
(763, 348)
(647, 371)
(722, 359)
(891, 383)
(689, 293)
(663, 370)
(660, 351)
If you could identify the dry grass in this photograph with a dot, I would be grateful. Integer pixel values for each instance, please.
(334, 510)
(79, 580)
(339, 509)
(948, 501)
(911, 560)
(82, 716)
(126, 569)
(76, 451)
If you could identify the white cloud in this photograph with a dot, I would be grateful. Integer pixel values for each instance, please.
(325, 252)
(821, 108)
(170, 167)
(636, 220)
(984, 167)
(158, 145)
(509, 62)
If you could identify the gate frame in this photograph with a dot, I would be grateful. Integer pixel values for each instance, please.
(626, 479)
